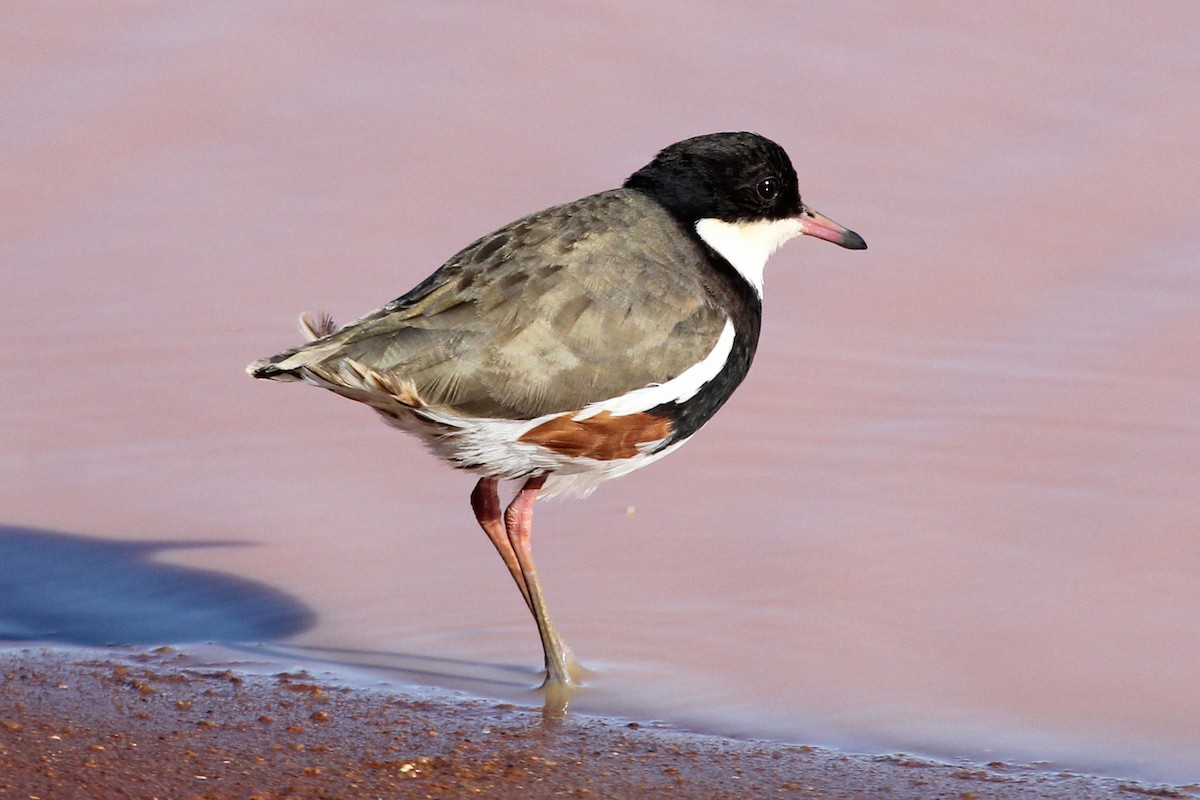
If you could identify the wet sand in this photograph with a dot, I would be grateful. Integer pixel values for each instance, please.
(153, 724)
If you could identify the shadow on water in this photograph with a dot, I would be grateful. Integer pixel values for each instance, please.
(83, 590)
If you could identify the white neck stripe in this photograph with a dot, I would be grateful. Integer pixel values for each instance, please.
(683, 386)
(748, 245)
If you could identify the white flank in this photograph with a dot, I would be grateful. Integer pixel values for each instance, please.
(682, 387)
(583, 475)
(493, 447)
(748, 245)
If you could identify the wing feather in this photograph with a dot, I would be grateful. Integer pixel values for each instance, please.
(539, 317)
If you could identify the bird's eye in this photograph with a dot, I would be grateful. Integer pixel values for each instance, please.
(768, 188)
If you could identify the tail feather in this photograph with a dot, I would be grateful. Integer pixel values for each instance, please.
(266, 369)
(313, 329)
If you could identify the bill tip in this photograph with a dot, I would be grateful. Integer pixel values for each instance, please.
(852, 241)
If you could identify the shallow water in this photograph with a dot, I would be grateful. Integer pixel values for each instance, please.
(952, 510)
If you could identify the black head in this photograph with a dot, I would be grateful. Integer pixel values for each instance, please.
(734, 177)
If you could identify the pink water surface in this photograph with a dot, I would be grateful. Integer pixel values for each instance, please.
(953, 510)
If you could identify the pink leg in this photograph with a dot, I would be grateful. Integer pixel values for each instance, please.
(486, 503)
(560, 662)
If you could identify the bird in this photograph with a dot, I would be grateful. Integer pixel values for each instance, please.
(579, 343)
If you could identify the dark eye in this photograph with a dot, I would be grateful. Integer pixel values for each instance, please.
(768, 188)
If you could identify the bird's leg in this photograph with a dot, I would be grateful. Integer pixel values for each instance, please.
(560, 661)
(485, 501)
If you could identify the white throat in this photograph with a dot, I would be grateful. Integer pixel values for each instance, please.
(748, 245)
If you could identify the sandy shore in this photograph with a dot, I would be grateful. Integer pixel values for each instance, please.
(152, 725)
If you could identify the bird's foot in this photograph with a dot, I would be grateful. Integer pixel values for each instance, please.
(563, 679)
